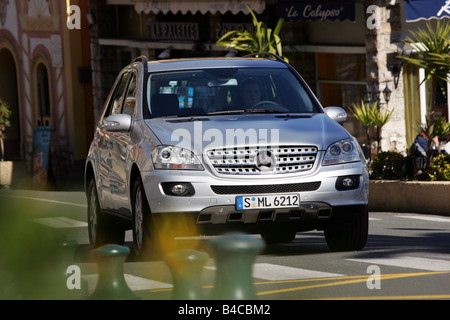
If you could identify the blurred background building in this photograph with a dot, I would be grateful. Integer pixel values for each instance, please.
(60, 77)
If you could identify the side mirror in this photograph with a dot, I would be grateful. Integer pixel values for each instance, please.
(118, 123)
(337, 114)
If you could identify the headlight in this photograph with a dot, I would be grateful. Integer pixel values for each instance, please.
(171, 157)
(342, 152)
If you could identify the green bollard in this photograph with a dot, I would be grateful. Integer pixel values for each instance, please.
(186, 267)
(111, 283)
(234, 255)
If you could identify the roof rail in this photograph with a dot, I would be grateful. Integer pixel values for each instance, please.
(273, 55)
(142, 59)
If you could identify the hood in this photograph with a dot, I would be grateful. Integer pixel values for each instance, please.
(207, 132)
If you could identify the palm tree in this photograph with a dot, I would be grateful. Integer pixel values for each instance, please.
(371, 116)
(432, 53)
(363, 112)
(264, 40)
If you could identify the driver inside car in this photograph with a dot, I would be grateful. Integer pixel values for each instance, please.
(250, 93)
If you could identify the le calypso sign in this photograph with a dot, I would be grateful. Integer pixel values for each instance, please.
(310, 10)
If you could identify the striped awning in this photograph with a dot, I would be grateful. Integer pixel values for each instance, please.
(193, 6)
(426, 9)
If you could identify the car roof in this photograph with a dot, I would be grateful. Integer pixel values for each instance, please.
(220, 62)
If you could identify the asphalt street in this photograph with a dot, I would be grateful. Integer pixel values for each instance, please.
(407, 256)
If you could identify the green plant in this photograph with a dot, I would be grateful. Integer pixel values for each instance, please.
(439, 168)
(434, 127)
(363, 112)
(431, 51)
(5, 114)
(370, 115)
(388, 165)
(263, 40)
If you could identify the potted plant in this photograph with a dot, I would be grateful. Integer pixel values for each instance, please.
(370, 115)
(5, 114)
(263, 40)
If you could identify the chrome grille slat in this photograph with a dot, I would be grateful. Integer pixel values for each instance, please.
(288, 159)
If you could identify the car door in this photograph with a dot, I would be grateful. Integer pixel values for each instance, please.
(106, 145)
(122, 147)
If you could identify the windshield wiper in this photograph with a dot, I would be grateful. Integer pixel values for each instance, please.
(239, 111)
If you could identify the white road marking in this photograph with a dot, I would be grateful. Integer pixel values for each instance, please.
(60, 222)
(273, 272)
(134, 283)
(409, 262)
(426, 218)
(46, 200)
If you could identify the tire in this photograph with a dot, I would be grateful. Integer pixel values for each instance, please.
(101, 230)
(142, 228)
(351, 236)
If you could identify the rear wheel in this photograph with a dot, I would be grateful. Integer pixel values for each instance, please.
(101, 230)
(351, 236)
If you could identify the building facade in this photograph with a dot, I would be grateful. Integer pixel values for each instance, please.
(59, 76)
(45, 78)
(343, 48)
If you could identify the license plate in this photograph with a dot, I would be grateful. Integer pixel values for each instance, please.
(267, 201)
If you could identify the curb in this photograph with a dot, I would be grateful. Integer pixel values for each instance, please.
(429, 197)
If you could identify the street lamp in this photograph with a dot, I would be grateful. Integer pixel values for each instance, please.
(373, 96)
(387, 93)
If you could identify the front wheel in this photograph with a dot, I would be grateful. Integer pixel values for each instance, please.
(142, 221)
(351, 236)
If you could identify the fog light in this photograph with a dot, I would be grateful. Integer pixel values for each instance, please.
(347, 183)
(180, 189)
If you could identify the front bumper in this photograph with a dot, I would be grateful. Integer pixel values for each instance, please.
(213, 201)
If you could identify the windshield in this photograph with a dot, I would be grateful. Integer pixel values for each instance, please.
(227, 90)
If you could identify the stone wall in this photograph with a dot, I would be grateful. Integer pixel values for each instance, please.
(410, 196)
(383, 43)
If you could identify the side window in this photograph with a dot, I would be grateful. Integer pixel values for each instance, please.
(130, 98)
(115, 105)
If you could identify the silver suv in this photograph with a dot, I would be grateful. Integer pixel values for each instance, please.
(214, 144)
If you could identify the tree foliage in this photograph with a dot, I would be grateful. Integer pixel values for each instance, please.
(263, 40)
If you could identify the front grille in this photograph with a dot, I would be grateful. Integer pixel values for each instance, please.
(271, 188)
(262, 160)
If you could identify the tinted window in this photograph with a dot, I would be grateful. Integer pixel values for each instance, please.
(115, 104)
(130, 98)
(214, 90)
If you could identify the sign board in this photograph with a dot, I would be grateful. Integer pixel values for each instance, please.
(312, 10)
(41, 153)
(187, 31)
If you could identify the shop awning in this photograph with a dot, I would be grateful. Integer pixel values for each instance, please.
(311, 10)
(426, 9)
(193, 6)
